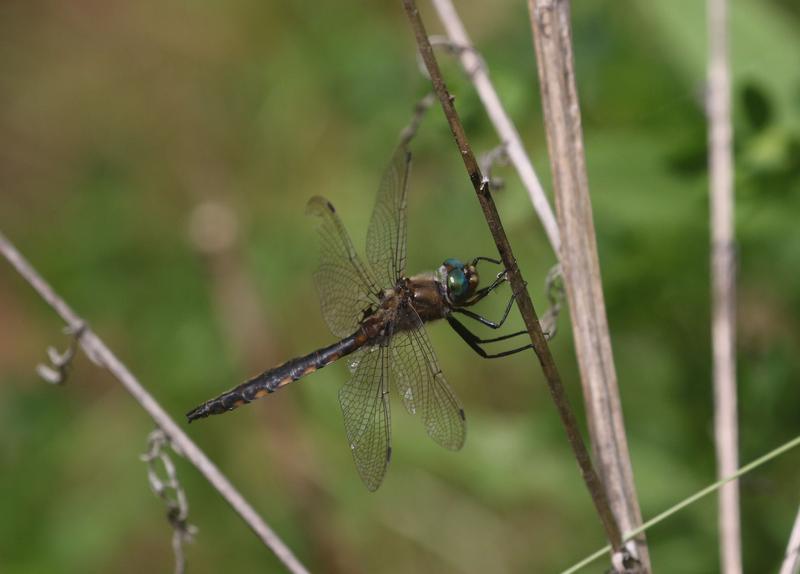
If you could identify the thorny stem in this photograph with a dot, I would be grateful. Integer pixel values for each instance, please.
(100, 354)
(480, 184)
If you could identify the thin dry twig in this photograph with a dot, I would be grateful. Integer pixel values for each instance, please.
(57, 371)
(723, 279)
(554, 288)
(99, 353)
(523, 300)
(478, 73)
(169, 490)
(420, 109)
(487, 161)
(791, 561)
(550, 21)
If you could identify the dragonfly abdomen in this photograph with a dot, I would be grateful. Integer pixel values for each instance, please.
(275, 378)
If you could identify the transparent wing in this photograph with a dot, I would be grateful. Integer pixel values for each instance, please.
(365, 406)
(423, 388)
(346, 286)
(386, 235)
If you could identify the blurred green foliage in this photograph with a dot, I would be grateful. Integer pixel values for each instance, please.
(120, 119)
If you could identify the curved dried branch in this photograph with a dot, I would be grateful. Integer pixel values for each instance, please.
(100, 354)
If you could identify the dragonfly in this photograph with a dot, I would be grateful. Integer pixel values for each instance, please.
(379, 314)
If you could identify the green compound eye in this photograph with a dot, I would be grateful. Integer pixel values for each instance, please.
(457, 283)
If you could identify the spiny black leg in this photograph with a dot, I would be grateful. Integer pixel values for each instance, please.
(493, 339)
(484, 320)
(465, 334)
(502, 338)
(489, 259)
(481, 293)
(474, 342)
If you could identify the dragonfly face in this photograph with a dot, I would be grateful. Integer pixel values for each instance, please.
(378, 312)
(461, 281)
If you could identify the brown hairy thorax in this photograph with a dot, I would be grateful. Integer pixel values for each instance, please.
(418, 296)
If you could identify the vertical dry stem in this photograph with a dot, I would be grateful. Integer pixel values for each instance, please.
(523, 300)
(552, 40)
(723, 279)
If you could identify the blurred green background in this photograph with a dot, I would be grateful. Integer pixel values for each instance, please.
(155, 162)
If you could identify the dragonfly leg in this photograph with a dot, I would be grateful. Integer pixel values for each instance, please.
(503, 337)
(475, 342)
(484, 320)
(499, 280)
(481, 293)
(489, 259)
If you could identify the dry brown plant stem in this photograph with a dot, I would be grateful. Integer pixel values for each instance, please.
(100, 354)
(723, 279)
(523, 300)
(550, 21)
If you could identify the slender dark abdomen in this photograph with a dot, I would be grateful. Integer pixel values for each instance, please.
(270, 381)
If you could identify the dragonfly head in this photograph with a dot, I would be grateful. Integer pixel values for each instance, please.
(460, 280)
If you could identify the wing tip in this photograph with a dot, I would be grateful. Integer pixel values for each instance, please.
(317, 203)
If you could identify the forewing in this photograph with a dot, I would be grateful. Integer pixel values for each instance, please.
(346, 286)
(365, 406)
(423, 388)
(386, 235)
